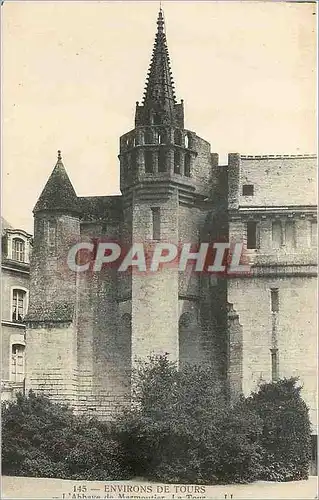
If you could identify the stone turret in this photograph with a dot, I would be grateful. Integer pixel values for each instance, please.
(51, 338)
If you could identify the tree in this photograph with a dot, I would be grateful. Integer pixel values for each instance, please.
(286, 432)
(182, 428)
(44, 439)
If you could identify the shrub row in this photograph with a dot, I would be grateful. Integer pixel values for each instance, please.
(180, 428)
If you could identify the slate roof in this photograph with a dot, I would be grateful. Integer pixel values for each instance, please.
(58, 193)
(94, 208)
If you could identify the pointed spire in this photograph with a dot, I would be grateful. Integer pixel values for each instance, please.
(159, 90)
(159, 105)
(58, 193)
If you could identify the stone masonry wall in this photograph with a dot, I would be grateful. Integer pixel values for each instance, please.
(296, 330)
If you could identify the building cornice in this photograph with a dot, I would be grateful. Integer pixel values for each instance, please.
(278, 157)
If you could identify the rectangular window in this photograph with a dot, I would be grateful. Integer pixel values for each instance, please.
(290, 233)
(52, 236)
(177, 162)
(274, 365)
(277, 239)
(18, 304)
(148, 157)
(162, 160)
(156, 221)
(252, 234)
(274, 294)
(248, 190)
(17, 363)
(187, 165)
(125, 164)
(18, 250)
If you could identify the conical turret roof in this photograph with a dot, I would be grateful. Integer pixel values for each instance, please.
(58, 193)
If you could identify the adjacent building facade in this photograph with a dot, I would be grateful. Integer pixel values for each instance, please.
(86, 330)
(15, 267)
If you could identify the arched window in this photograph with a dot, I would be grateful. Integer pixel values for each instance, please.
(17, 362)
(188, 140)
(162, 137)
(18, 250)
(178, 137)
(19, 304)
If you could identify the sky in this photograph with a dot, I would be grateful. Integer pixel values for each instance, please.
(72, 72)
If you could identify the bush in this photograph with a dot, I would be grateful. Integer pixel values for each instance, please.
(43, 439)
(286, 434)
(181, 428)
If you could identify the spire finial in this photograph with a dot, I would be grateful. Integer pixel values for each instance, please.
(160, 20)
(59, 155)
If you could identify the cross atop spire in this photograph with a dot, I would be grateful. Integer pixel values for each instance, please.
(160, 20)
(159, 99)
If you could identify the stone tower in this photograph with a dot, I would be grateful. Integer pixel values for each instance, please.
(165, 177)
(51, 337)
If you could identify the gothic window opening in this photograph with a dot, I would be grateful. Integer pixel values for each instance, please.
(277, 237)
(186, 141)
(252, 235)
(18, 250)
(162, 137)
(156, 223)
(148, 157)
(187, 165)
(162, 160)
(177, 162)
(18, 304)
(17, 362)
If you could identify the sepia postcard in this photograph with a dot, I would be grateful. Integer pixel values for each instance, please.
(159, 250)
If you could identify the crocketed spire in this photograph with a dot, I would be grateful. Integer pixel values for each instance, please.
(160, 85)
(159, 100)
